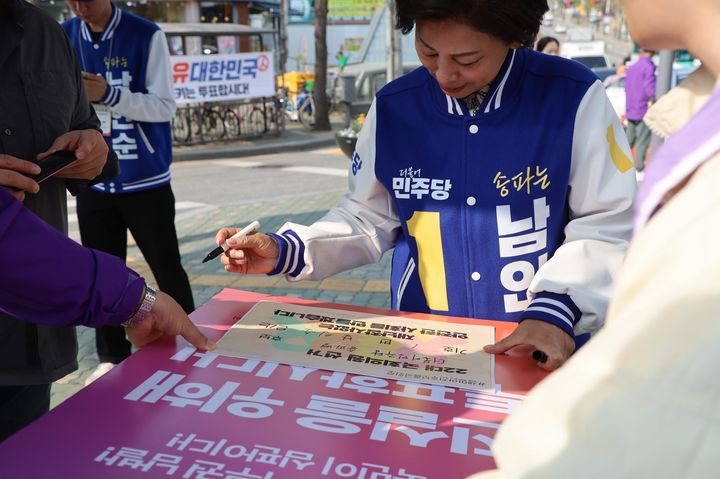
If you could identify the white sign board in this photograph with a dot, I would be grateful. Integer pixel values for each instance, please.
(212, 78)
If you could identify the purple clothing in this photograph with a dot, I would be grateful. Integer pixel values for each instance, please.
(639, 88)
(47, 278)
(680, 156)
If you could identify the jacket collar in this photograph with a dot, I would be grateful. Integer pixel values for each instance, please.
(675, 108)
(684, 152)
(109, 28)
(502, 89)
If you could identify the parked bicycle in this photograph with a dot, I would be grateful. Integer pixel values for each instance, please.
(219, 121)
(306, 105)
(306, 109)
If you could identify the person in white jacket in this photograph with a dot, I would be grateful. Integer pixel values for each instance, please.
(500, 176)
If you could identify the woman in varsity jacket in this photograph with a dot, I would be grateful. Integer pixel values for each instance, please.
(500, 176)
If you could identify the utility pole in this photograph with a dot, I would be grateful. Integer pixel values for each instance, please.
(393, 44)
(664, 80)
(282, 37)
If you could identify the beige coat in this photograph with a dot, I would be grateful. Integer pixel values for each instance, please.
(648, 404)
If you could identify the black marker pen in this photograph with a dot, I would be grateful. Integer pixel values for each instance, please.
(224, 247)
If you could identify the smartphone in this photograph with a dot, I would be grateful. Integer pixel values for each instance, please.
(53, 164)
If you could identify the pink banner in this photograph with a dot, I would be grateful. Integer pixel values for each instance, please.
(172, 411)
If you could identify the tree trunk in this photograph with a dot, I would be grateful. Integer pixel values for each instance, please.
(282, 38)
(322, 113)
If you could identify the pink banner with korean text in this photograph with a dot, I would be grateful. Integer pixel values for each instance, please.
(172, 411)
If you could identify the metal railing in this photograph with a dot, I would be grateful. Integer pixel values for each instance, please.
(227, 121)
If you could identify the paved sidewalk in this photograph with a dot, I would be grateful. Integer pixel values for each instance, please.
(295, 137)
(366, 286)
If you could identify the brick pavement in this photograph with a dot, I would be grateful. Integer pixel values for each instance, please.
(366, 286)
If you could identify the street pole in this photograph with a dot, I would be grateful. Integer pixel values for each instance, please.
(282, 38)
(393, 44)
(664, 80)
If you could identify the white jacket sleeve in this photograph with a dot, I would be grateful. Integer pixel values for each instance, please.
(602, 188)
(158, 104)
(356, 232)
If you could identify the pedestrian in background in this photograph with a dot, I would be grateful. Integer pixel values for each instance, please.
(623, 66)
(342, 58)
(127, 73)
(500, 176)
(43, 109)
(640, 87)
(549, 45)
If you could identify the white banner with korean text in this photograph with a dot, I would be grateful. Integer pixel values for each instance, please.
(213, 78)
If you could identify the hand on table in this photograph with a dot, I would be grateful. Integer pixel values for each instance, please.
(253, 254)
(167, 318)
(14, 176)
(90, 150)
(543, 336)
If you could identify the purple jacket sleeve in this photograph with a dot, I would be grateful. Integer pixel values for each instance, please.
(47, 278)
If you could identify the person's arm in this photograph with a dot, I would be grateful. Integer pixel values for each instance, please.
(47, 278)
(581, 273)
(650, 83)
(95, 161)
(570, 292)
(356, 232)
(158, 104)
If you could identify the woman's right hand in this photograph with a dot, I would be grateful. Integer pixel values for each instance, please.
(13, 176)
(253, 254)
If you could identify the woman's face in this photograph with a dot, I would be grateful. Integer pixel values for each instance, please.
(552, 48)
(462, 59)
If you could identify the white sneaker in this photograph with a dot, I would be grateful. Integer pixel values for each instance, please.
(99, 371)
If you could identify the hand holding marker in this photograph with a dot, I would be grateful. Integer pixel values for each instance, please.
(252, 227)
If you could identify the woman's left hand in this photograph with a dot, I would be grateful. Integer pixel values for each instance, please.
(543, 336)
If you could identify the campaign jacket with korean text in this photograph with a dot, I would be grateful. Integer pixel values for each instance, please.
(133, 56)
(522, 211)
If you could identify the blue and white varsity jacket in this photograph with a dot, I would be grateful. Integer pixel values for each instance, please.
(133, 56)
(523, 211)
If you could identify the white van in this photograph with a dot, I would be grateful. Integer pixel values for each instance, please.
(591, 54)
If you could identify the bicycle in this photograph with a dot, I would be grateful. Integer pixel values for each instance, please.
(181, 126)
(204, 122)
(214, 122)
(248, 119)
(306, 106)
(306, 109)
(286, 106)
(277, 114)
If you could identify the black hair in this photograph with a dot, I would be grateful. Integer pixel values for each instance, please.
(543, 42)
(508, 20)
